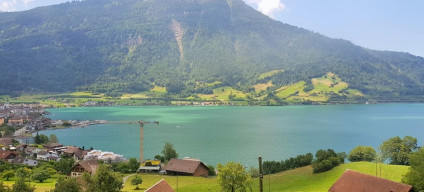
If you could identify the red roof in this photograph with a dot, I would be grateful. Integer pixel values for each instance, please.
(161, 186)
(89, 166)
(352, 181)
(184, 166)
(8, 154)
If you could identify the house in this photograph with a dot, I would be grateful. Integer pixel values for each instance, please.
(6, 141)
(15, 121)
(89, 166)
(21, 147)
(75, 152)
(1, 121)
(161, 186)
(8, 155)
(150, 166)
(32, 151)
(352, 181)
(24, 161)
(47, 156)
(186, 167)
(52, 146)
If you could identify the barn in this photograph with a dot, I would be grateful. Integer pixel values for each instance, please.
(186, 167)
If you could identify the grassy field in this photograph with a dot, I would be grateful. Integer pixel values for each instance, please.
(297, 180)
(300, 179)
(318, 91)
(269, 74)
(223, 94)
(323, 87)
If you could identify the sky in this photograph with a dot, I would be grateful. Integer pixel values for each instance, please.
(393, 25)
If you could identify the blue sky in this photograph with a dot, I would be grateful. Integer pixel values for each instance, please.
(376, 24)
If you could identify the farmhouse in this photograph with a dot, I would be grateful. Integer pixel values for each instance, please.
(161, 186)
(89, 166)
(352, 181)
(186, 167)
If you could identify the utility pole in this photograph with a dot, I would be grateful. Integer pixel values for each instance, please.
(261, 176)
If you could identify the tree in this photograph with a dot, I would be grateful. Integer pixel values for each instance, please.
(233, 176)
(20, 186)
(159, 157)
(68, 184)
(53, 139)
(326, 160)
(415, 174)
(41, 139)
(64, 165)
(254, 172)
(133, 164)
(397, 150)
(40, 175)
(37, 139)
(211, 171)
(8, 174)
(137, 180)
(23, 172)
(104, 180)
(3, 187)
(169, 152)
(362, 153)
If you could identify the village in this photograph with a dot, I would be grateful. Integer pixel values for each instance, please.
(19, 146)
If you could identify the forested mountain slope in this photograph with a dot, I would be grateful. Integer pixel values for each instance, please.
(127, 46)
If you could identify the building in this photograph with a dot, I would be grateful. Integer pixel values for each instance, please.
(32, 151)
(89, 166)
(8, 155)
(150, 166)
(352, 181)
(52, 146)
(75, 152)
(161, 186)
(6, 141)
(186, 167)
(24, 161)
(15, 121)
(47, 156)
(1, 121)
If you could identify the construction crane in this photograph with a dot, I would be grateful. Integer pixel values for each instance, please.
(142, 135)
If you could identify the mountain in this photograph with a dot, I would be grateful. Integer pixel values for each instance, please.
(128, 46)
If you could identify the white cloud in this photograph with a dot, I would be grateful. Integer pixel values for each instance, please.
(7, 6)
(267, 7)
(27, 1)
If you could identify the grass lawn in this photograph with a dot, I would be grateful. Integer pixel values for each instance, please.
(301, 179)
(46, 185)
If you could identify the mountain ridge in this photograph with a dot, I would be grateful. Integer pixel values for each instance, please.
(116, 47)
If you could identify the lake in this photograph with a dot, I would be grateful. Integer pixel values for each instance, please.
(218, 134)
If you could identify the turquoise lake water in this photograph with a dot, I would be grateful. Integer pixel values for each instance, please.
(219, 134)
